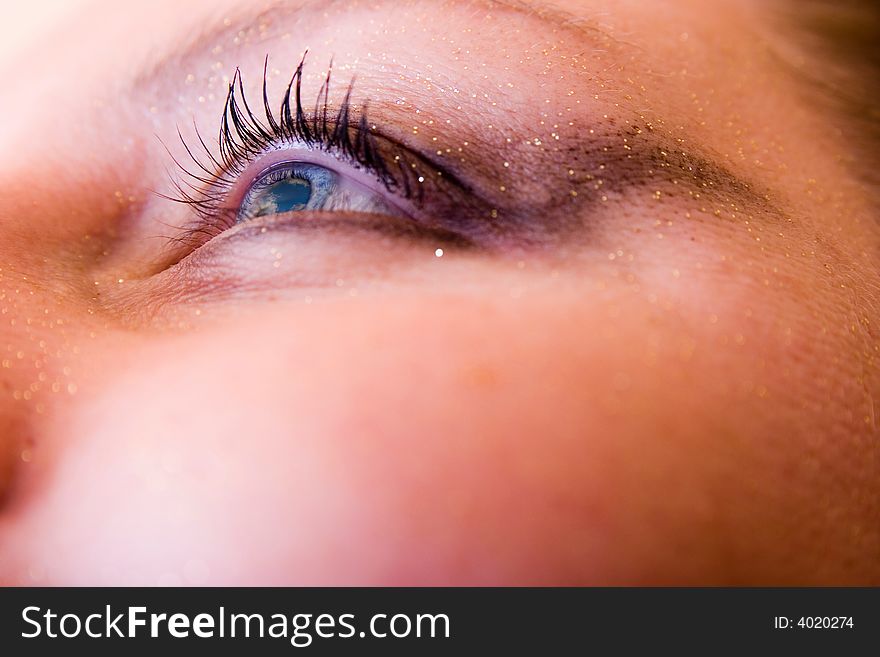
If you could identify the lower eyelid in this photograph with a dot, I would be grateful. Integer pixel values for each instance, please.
(373, 224)
(305, 249)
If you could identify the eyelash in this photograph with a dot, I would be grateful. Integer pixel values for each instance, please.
(244, 137)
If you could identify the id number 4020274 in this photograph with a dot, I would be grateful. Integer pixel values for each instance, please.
(814, 623)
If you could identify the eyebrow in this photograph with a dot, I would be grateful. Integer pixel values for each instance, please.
(611, 156)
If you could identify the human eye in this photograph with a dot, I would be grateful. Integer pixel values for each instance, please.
(368, 174)
(297, 186)
(301, 169)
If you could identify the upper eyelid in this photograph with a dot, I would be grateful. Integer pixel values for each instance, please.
(652, 159)
(625, 168)
(247, 136)
(244, 136)
(709, 171)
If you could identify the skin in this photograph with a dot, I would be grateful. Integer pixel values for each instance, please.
(676, 385)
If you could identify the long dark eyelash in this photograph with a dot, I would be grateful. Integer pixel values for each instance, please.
(243, 136)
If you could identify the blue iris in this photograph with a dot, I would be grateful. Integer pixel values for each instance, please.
(289, 187)
(291, 194)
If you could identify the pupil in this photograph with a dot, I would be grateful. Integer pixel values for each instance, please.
(285, 196)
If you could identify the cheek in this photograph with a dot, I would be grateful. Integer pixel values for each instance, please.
(538, 438)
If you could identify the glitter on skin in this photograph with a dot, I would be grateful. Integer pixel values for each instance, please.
(591, 315)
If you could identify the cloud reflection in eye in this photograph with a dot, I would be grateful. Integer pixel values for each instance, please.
(298, 186)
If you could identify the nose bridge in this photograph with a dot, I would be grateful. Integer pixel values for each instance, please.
(14, 350)
(37, 336)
